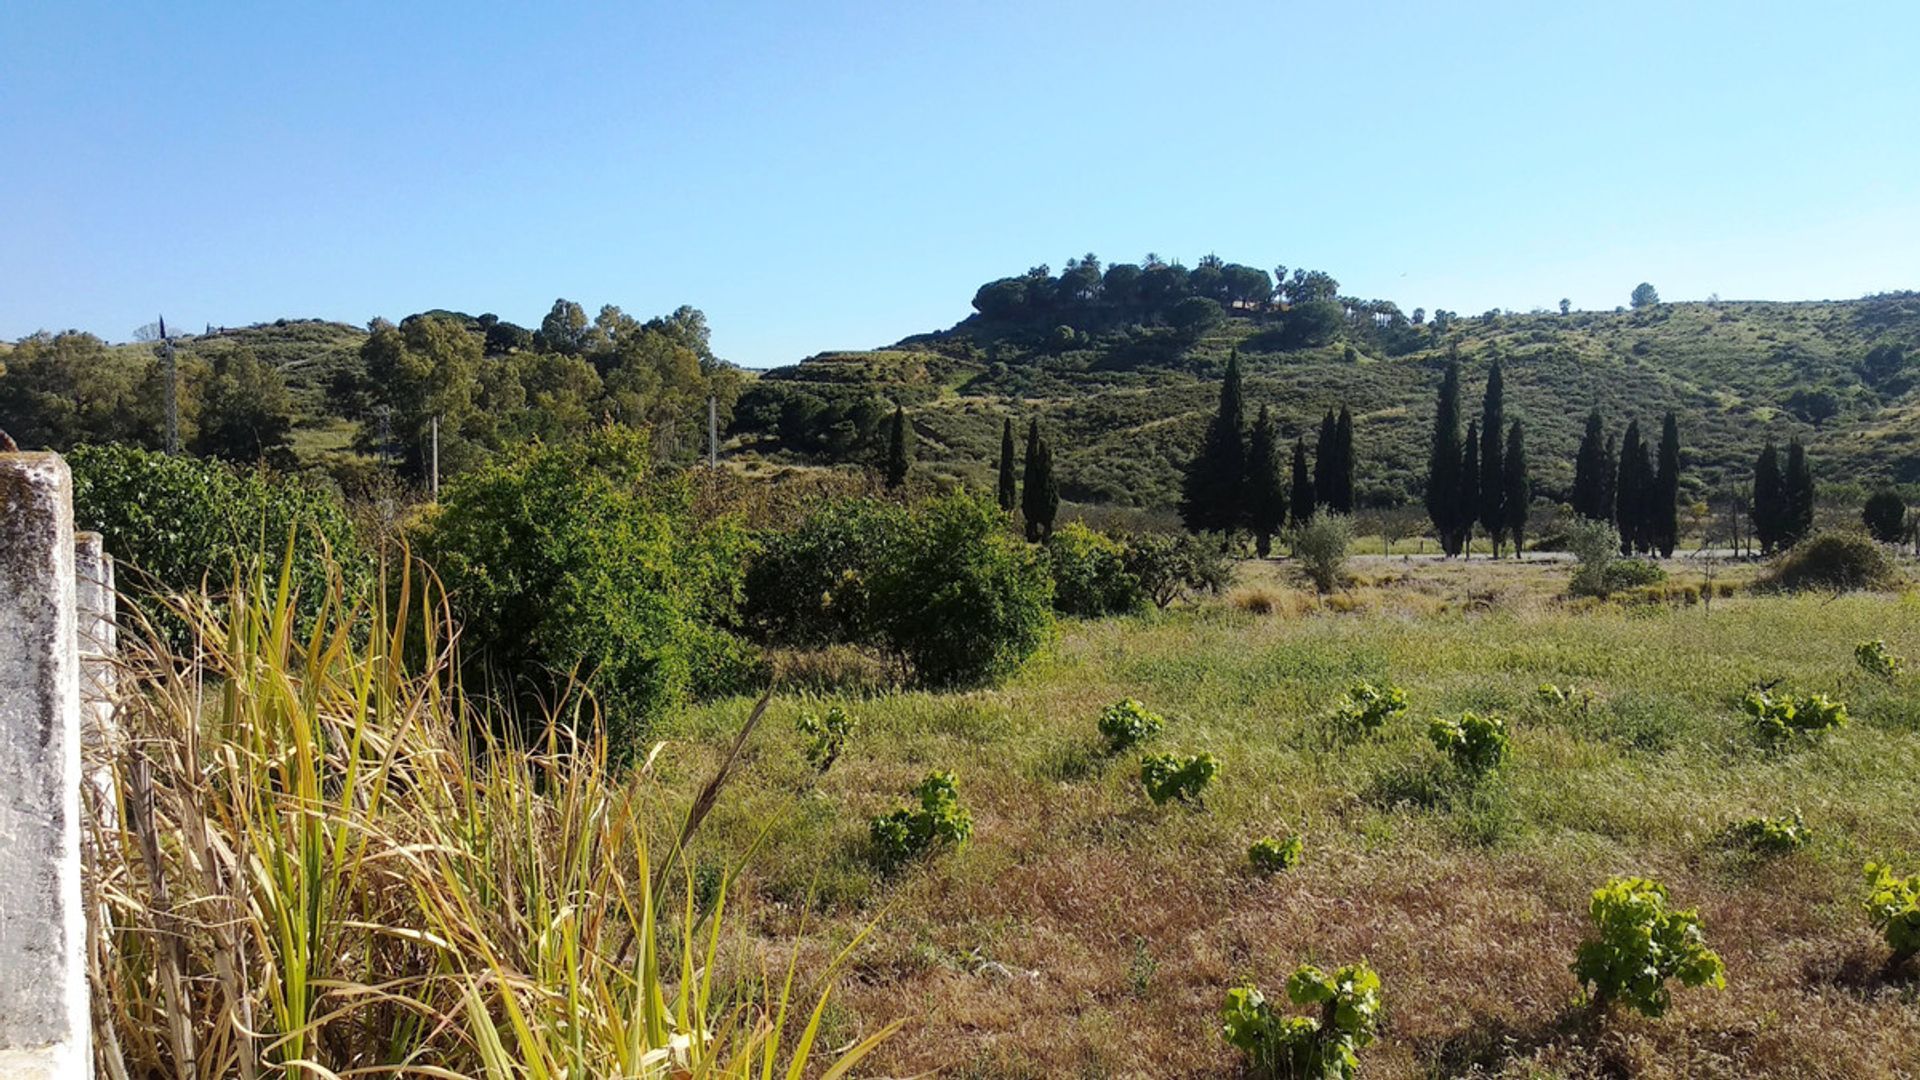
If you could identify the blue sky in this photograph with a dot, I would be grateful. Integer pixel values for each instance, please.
(839, 176)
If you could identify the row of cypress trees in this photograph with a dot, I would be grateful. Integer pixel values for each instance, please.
(1481, 480)
(1620, 484)
(1235, 481)
(1782, 504)
(1039, 498)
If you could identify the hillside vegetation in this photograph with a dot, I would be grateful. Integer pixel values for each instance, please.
(1125, 398)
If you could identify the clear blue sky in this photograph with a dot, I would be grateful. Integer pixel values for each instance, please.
(839, 176)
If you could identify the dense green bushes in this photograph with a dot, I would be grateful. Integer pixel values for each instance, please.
(176, 522)
(1090, 575)
(1833, 561)
(582, 559)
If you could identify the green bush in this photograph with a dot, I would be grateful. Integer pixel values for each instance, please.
(1090, 576)
(1877, 660)
(826, 735)
(1832, 562)
(911, 832)
(1367, 708)
(1777, 720)
(1595, 546)
(1771, 835)
(1127, 723)
(1270, 856)
(1639, 944)
(1302, 1047)
(1885, 516)
(172, 522)
(580, 558)
(1477, 745)
(1893, 906)
(1320, 546)
(809, 585)
(1168, 777)
(1624, 574)
(1171, 568)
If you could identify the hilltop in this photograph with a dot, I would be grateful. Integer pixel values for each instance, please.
(1125, 398)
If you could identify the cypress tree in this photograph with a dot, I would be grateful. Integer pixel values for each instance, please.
(1492, 476)
(1665, 524)
(1301, 508)
(1766, 509)
(1609, 482)
(1343, 475)
(1326, 463)
(1266, 491)
(1519, 493)
(1797, 496)
(1468, 500)
(1629, 501)
(1443, 464)
(1009, 480)
(1040, 499)
(899, 453)
(1588, 485)
(1210, 495)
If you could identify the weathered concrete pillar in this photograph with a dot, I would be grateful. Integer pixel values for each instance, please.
(43, 992)
(96, 611)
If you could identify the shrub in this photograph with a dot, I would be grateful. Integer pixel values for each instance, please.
(1832, 561)
(1633, 574)
(1127, 723)
(826, 735)
(1367, 708)
(1885, 516)
(965, 601)
(580, 558)
(1476, 745)
(1090, 575)
(809, 585)
(1565, 697)
(911, 832)
(1270, 856)
(1893, 906)
(1595, 546)
(1167, 777)
(1303, 1047)
(176, 521)
(1777, 720)
(1639, 944)
(1172, 568)
(1876, 659)
(1321, 548)
(1771, 835)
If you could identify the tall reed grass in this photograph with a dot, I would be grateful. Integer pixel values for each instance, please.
(325, 865)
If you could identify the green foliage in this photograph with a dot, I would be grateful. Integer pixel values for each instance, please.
(1039, 490)
(1893, 907)
(826, 735)
(1877, 660)
(1834, 562)
(1320, 547)
(580, 558)
(1168, 776)
(1771, 835)
(1301, 1047)
(810, 584)
(1783, 719)
(1595, 546)
(1639, 944)
(1885, 516)
(1367, 708)
(172, 522)
(1564, 697)
(1633, 574)
(1212, 491)
(1090, 575)
(1477, 745)
(909, 833)
(1171, 568)
(1271, 856)
(1126, 724)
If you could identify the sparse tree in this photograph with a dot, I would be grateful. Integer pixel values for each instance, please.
(1644, 296)
(1566, 306)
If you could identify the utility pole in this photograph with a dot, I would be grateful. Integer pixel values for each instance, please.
(713, 433)
(434, 473)
(172, 389)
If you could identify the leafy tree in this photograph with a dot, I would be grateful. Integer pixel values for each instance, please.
(1002, 299)
(1266, 494)
(246, 414)
(1493, 484)
(1211, 494)
(1009, 490)
(1885, 516)
(1519, 493)
(1301, 506)
(1566, 305)
(1090, 575)
(1797, 496)
(1664, 523)
(1194, 316)
(1040, 498)
(1769, 506)
(899, 449)
(565, 328)
(1443, 463)
(1467, 499)
(1311, 324)
(1645, 295)
(1589, 470)
(57, 391)
(426, 368)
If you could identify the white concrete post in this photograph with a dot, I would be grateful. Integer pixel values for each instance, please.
(44, 1030)
(96, 609)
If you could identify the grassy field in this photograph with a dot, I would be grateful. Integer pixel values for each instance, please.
(1084, 932)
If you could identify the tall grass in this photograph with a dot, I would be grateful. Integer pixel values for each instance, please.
(325, 865)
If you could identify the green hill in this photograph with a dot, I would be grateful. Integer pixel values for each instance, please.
(1126, 401)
